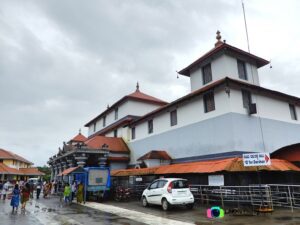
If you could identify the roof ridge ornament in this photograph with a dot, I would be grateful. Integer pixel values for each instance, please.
(137, 87)
(219, 39)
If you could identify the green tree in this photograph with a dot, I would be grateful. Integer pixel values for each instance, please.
(46, 170)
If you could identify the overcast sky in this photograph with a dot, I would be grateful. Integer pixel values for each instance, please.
(62, 62)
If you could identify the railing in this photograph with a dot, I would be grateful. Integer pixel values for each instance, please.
(263, 196)
(255, 196)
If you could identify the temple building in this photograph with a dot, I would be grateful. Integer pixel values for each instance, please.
(14, 167)
(227, 113)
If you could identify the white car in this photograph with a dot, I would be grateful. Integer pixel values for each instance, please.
(168, 192)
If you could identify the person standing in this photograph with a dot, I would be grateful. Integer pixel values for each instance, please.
(79, 195)
(15, 199)
(1, 188)
(38, 189)
(25, 195)
(5, 189)
(74, 187)
(67, 193)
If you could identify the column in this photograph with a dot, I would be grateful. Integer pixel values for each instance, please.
(81, 159)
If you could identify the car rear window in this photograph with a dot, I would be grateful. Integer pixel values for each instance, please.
(177, 184)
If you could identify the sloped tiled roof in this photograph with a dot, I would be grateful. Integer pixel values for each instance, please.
(156, 154)
(212, 166)
(137, 95)
(144, 97)
(31, 171)
(79, 138)
(114, 144)
(4, 154)
(219, 49)
(4, 169)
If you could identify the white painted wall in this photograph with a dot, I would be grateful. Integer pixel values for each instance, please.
(267, 107)
(191, 112)
(130, 107)
(223, 66)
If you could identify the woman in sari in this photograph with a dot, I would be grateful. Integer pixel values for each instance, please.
(79, 194)
(25, 195)
(15, 199)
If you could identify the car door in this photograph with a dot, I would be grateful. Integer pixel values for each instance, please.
(151, 193)
(159, 191)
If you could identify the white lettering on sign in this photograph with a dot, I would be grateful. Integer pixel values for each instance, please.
(257, 159)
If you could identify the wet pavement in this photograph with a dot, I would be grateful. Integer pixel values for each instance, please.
(53, 212)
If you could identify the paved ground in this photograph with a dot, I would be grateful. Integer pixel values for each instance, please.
(53, 212)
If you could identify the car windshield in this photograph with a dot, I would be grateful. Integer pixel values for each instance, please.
(177, 184)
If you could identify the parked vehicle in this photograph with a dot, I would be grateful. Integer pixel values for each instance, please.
(168, 192)
(122, 194)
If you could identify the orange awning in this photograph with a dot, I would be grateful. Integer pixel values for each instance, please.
(212, 166)
(67, 171)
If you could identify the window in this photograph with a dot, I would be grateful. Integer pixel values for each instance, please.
(104, 121)
(242, 69)
(207, 75)
(94, 127)
(153, 185)
(116, 113)
(173, 117)
(150, 126)
(293, 112)
(116, 133)
(133, 133)
(246, 98)
(161, 183)
(209, 102)
(178, 184)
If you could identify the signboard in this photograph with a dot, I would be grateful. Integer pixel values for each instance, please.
(97, 177)
(138, 179)
(216, 180)
(257, 159)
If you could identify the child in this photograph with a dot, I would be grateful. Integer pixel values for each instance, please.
(15, 198)
(67, 193)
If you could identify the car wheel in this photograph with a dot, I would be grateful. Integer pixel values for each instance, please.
(190, 206)
(144, 201)
(165, 204)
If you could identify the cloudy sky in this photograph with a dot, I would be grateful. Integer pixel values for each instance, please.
(62, 62)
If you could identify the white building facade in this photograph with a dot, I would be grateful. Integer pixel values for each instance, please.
(226, 111)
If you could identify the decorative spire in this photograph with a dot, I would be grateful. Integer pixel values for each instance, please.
(137, 86)
(79, 130)
(218, 37)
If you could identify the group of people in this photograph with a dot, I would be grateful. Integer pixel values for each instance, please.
(19, 194)
(71, 191)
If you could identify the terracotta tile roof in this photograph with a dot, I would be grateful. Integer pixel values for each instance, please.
(4, 169)
(67, 171)
(79, 138)
(144, 97)
(4, 154)
(31, 171)
(137, 95)
(155, 154)
(212, 166)
(114, 144)
(219, 49)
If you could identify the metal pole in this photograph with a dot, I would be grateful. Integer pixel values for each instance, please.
(85, 186)
(260, 191)
(290, 197)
